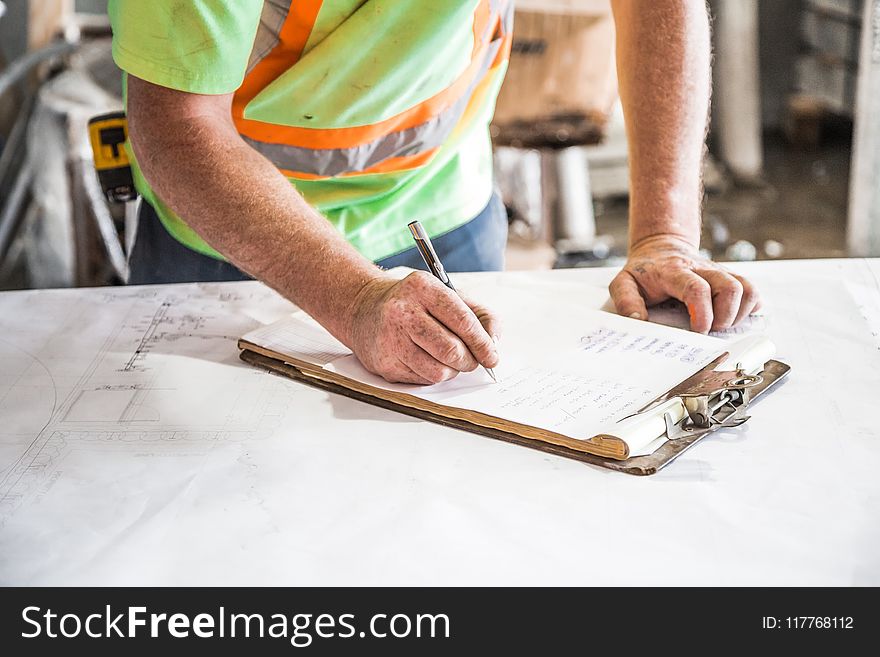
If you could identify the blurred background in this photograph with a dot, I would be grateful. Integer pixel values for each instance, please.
(790, 172)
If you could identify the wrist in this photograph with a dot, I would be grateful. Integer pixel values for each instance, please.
(665, 214)
(669, 239)
(360, 296)
(333, 292)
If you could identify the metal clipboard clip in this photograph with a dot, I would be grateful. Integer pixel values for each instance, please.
(711, 398)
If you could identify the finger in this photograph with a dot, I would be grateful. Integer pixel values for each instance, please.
(442, 344)
(627, 298)
(425, 365)
(727, 293)
(448, 309)
(404, 374)
(751, 300)
(490, 321)
(695, 293)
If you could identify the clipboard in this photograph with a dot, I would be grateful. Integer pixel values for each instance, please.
(712, 399)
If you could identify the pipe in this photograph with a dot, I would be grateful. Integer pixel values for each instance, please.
(11, 215)
(20, 67)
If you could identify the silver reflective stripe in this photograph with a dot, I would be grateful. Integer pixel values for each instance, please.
(507, 17)
(496, 8)
(410, 141)
(269, 31)
(504, 9)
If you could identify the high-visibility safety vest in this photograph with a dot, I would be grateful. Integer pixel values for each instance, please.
(377, 111)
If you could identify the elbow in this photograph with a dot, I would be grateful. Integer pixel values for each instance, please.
(166, 125)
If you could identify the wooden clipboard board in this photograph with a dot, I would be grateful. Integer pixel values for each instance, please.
(774, 372)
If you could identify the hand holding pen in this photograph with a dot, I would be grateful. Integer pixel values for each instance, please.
(417, 330)
(432, 260)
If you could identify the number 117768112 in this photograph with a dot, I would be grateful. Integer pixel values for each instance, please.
(807, 623)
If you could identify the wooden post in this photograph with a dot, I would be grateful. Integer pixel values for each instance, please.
(737, 87)
(46, 19)
(863, 230)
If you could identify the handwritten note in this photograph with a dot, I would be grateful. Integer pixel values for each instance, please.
(564, 367)
(574, 382)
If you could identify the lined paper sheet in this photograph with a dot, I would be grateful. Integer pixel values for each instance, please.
(300, 336)
(564, 367)
(579, 387)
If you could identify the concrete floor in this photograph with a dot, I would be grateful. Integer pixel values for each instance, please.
(802, 207)
(799, 211)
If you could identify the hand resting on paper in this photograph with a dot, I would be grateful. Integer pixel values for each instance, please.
(664, 266)
(416, 330)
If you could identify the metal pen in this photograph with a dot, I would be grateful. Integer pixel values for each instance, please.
(429, 255)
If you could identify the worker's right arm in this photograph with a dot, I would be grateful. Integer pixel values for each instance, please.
(414, 330)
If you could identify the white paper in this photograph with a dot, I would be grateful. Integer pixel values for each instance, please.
(865, 298)
(674, 313)
(227, 475)
(299, 336)
(564, 368)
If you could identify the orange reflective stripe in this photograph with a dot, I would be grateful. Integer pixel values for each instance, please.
(504, 53)
(351, 137)
(324, 163)
(477, 99)
(482, 16)
(356, 136)
(292, 38)
(390, 165)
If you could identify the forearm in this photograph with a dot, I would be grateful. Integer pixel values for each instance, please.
(247, 210)
(663, 61)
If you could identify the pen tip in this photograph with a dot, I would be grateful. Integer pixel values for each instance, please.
(491, 373)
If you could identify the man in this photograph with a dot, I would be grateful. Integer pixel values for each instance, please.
(297, 138)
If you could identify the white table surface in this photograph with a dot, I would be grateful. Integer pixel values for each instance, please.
(135, 448)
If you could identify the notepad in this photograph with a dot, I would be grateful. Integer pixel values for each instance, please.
(569, 375)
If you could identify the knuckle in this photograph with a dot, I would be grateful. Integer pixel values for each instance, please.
(732, 288)
(678, 261)
(621, 283)
(463, 317)
(695, 287)
(467, 330)
(480, 312)
(479, 343)
(418, 280)
(437, 373)
(749, 295)
(451, 353)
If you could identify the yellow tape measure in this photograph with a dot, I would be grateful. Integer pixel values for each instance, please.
(108, 134)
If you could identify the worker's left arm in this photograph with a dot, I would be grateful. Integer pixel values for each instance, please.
(663, 63)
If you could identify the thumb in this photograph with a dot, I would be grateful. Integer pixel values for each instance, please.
(626, 296)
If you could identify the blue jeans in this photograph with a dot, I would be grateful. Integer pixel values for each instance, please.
(157, 257)
(477, 245)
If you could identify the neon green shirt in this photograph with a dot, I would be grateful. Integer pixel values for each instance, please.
(377, 111)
